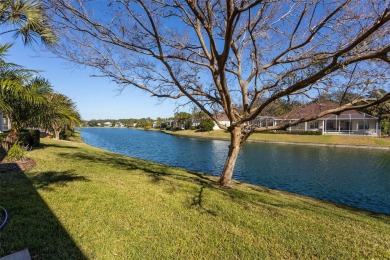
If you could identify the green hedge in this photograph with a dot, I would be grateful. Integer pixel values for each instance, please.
(30, 138)
(65, 134)
(2, 137)
(296, 132)
(206, 125)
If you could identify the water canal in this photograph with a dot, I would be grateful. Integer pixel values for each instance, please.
(350, 176)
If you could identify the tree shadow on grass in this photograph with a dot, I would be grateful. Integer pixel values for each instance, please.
(156, 170)
(252, 198)
(262, 198)
(275, 202)
(46, 180)
(31, 223)
(197, 200)
(58, 146)
(163, 173)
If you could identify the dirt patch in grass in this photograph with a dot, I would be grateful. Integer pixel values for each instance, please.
(24, 165)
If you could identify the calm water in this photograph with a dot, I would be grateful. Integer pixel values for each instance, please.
(355, 177)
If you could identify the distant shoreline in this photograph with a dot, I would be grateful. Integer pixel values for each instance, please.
(192, 135)
(283, 142)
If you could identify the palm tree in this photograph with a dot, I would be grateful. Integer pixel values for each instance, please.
(12, 78)
(20, 89)
(24, 108)
(60, 114)
(26, 18)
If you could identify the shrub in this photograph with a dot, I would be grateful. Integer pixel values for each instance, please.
(385, 125)
(192, 127)
(168, 127)
(147, 127)
(177, 128)
(206, 125)
(65, 134)
(2, 137)
(294, 132)
(29, 138)
(16, 153)
(2, 150)
(36, 136)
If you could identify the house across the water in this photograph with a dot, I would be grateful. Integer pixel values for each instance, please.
(223, 120)
(351, 122)
(107, 124)
(119, 124)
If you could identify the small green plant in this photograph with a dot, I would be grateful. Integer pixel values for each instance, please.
(192, 128)
(16, 153)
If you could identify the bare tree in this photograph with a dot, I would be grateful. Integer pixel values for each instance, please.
(234, 56)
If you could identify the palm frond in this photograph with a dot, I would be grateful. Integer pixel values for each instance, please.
(29, 18)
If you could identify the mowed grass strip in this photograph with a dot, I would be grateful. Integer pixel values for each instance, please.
(317, 139)
(83, 202)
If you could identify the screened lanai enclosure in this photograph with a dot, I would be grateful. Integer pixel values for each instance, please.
(345, 123)
(264, 121)
(350, 122)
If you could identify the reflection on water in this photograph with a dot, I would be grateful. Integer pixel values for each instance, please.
(355, 177)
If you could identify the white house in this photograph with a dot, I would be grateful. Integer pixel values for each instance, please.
(223, 120)
(351, 122)
(107, 124)
(5, 123)
(119, 124)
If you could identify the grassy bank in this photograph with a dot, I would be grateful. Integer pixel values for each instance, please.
(319, 139)
(82, 202)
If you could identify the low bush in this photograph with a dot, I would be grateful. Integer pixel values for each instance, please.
(65, 134)
(206, 125)
(16, 153)
(385, 127)
(192, 128)
(29, 138)
(36, 137)
(147, 127)
(294, 132)
(2, 137)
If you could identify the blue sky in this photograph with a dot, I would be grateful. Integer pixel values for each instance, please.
(96, 98)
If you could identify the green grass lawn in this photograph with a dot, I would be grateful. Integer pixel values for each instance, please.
(82, 202)
(321, 139)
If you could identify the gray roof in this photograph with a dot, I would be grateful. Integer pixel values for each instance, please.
(316, 108)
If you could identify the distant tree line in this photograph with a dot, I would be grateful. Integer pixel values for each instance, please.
(197, 119)
(129, 122)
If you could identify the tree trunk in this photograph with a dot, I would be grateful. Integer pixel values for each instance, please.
(57, 134)
(234, 148)
(11, 138)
